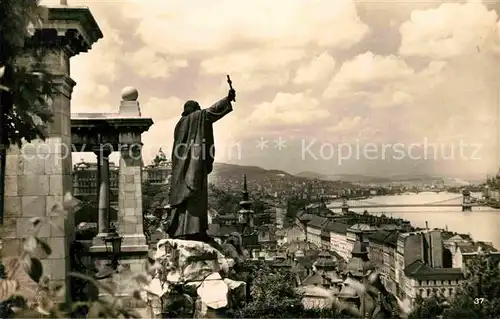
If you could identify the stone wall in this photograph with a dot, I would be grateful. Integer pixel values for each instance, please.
(38, 175)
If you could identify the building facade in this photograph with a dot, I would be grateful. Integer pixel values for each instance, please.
(85, 176)
(85, 180)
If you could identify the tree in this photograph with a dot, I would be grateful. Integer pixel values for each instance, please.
(477, 297)
(431, 307)
(26, 87)
(273, 295)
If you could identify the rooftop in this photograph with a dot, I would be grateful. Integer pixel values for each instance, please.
(384, 237)
(471, 248)
(336, 227)
(361, 227)
(420, 271)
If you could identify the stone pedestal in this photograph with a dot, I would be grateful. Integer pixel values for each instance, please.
(38, 175)
(197, 267)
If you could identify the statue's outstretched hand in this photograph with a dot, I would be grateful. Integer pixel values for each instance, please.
(231, 95)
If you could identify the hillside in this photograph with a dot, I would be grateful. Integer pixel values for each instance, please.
(343, 177)
(235, 172)
(354, 178)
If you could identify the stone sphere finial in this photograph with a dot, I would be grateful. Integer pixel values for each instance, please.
(130, 93)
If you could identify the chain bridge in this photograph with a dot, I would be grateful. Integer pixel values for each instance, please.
(466, 201)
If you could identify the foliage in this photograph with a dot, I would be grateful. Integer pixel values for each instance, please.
(154, 196)
(294, 205)
(431, 307)
(29, 294)
(273, 295)
(477, 297)
(28, 86)
(223, 202)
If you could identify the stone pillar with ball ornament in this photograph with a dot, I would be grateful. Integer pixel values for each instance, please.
(130, 218)
(38, 175)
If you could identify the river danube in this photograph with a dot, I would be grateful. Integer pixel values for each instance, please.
(483, 223)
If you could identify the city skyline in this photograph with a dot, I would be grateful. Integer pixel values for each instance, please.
(345, 72)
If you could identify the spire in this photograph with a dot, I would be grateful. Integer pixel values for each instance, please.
(245, 211)
(245, 188)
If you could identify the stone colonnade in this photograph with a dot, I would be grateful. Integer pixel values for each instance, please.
(104, 133)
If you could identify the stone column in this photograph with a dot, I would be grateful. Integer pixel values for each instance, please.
(130, 194)
(38, 175)
(103, 196)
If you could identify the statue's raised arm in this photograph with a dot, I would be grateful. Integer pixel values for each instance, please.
(221, 108)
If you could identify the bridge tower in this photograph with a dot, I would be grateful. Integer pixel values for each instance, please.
(466, 201)
(345, 206)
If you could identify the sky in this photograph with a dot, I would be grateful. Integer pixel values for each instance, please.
(322, 85)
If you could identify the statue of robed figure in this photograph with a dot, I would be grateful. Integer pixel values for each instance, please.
(192, 160)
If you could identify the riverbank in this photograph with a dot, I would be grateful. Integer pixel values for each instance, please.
(482, 223)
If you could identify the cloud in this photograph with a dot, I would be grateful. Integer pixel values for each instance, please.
(347, 124)
(309, 68)
(359, 75)
(250, 41)
(318, 69)
(448, 31)
(162, 108)
(289, 109)
(157, 66)
(254, 69)
(94, 71)
(174, 26)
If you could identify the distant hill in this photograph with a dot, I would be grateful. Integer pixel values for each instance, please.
(309, 175)
(354, 178)
(258, 174)
(231, 171)
(343, 177)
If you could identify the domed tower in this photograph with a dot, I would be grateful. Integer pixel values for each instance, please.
(358, 265)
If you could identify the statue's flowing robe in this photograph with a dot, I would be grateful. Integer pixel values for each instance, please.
(192, 160)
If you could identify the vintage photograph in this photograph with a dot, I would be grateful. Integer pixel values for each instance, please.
(250, 159)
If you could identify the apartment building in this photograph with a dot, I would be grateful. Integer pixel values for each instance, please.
(468, 250)
(419, 266)
(382, 251)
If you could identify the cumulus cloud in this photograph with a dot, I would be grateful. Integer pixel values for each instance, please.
(226, 22)
(365, 71)
(157, 66)
(93, 72)
(290, 109)
(308, 67)
(162, 108)
(448, 31)
(317, 70)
